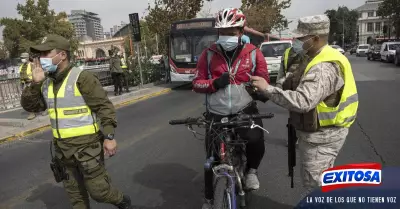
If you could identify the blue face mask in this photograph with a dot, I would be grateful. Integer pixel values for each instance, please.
(228, 43)
(47, 64)
(298, 46)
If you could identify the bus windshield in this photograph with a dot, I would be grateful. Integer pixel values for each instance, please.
(183, 46)
(274, 49)
(180, 48)
(202, 42)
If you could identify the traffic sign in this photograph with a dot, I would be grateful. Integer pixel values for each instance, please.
(134, 21)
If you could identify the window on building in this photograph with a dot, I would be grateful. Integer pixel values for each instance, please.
(370, 27)
(378, 26)
(360, 15)
(370, 14)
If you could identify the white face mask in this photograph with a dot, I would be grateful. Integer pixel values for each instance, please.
(228, 43)
(23, 60)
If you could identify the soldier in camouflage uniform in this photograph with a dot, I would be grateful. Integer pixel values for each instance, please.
(292, 62)
(321, 96)
(76, 101)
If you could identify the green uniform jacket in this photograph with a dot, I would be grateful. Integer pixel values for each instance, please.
(115, 65)
(96, 98)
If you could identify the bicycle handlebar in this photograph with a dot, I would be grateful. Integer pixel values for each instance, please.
(241, 119)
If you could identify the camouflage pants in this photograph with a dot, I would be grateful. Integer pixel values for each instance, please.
(88, 176)
(317, 157)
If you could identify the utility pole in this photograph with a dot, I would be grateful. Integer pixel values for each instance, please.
(157, 44)
(343, 32)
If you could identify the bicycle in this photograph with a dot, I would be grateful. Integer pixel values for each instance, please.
(229, 170)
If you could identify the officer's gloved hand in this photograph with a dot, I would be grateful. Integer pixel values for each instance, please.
(256, 95)
(261, 97)
(222, 81)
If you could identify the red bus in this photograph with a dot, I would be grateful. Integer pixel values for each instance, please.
(187, 40)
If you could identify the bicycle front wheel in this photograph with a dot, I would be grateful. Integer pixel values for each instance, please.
(222, 197)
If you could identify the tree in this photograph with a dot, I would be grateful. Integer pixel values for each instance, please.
(3, 51)
(391, 9)
(265, 15)
(340, 19)
(206, 11)
(165, 12)
(37, 21)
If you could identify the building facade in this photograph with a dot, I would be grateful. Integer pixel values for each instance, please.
(86, 24)
(116, 28)
(369, 24)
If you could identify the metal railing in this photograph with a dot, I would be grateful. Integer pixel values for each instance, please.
(10, 92)
(11, 88)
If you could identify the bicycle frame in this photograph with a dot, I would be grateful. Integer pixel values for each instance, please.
(227, 154)
(231, 152)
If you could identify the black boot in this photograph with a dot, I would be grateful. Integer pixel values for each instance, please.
(125, 203)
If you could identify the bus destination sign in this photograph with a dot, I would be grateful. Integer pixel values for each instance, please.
(194, 25)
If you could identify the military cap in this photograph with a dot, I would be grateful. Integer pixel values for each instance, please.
(25, 55)
(313, 25)
(50, 42)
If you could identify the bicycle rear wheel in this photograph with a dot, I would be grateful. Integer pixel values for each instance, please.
(222, 197)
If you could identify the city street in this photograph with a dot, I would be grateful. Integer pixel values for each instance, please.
(161, 166)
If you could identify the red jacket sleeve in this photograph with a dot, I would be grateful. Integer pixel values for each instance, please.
(261, 68)
(201, 83)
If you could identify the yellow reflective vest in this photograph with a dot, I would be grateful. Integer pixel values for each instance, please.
(286, 59)
(344, 114)
(28, 72)
(69, 114)
(123, 64)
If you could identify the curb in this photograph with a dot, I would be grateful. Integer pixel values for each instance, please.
(117, 106)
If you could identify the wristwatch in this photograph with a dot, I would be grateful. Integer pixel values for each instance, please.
(110, 137)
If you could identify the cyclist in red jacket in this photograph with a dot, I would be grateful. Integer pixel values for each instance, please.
(222, 74)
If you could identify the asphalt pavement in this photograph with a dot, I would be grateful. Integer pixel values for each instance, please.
(161, 166)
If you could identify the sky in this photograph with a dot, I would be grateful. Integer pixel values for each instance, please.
(112, 12)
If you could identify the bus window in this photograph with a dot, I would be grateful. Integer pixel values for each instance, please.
(180, 49)
(203, 42)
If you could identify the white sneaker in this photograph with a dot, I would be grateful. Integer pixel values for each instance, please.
(252, 182)
(207, 204)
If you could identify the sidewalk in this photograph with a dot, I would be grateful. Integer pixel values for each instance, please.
(14, 125)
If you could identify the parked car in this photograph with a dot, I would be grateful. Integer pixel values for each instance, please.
(273, 51)
(353, 50)
(362, 49)
(374, 53)
(397, 57)
(388, 51)
(338, 48)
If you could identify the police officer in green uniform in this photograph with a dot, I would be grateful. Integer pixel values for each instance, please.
(116, 72)
(76, 103)
(125, 69)
(25, 76)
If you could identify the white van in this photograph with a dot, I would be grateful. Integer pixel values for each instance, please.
(388, 50)
(362, 49)
(273, 52)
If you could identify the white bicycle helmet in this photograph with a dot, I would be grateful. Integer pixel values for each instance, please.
(230, 18)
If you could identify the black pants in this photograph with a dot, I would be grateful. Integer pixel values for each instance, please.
(125, 76)
(117, 80)
(255, 148)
